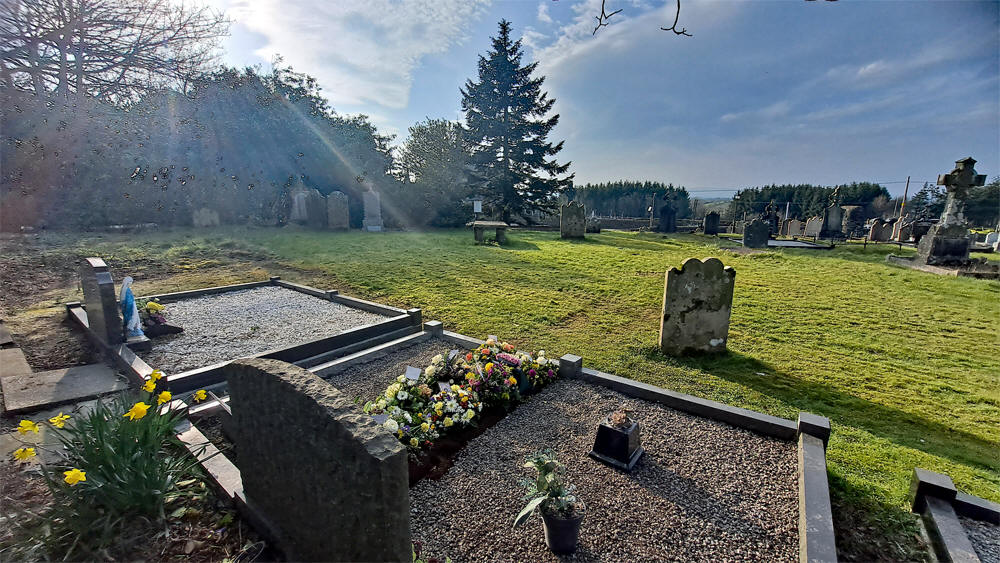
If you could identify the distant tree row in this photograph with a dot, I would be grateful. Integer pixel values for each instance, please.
(807, 200)
(630, 198)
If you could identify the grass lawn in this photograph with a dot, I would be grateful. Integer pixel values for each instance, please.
(904, 363)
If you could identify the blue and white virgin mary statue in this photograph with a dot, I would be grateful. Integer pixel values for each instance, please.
(130, 313)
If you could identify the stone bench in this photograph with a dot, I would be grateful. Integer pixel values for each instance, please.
(479, 226)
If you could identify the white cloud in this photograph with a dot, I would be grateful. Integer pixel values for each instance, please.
(773, 111)
(543, 13)
(360, 52)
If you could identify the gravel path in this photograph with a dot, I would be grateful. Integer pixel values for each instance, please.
(985, 538)
(704, 491)
(223, 327)
(370, 379)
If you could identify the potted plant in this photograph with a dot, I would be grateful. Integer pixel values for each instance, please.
(553, 497)
(617, 442)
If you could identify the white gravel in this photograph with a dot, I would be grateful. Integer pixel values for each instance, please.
(985, 538)
(227, 326)
(704, 491)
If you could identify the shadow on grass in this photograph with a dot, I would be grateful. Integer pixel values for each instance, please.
(518, 244)
(867, 530)
(900, 427)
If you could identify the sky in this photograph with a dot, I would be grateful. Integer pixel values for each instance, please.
(781, 91)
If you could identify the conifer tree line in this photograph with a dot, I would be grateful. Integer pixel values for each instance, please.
(630, 198)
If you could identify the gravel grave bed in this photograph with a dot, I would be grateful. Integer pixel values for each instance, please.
(985, 538)
(227, 326)
(367, 381)
(703, 491)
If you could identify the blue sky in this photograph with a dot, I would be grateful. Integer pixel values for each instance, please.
(763, 92)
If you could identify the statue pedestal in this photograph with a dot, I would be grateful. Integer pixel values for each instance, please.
(944, 245)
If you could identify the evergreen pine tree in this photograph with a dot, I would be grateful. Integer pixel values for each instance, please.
(507, 129)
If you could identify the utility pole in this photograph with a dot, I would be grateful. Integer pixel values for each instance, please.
(906, 192)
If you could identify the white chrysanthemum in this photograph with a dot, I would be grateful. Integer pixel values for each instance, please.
(395, 411)
(380, 404)
(452, 405)
(391, 425)
(407, 416)
(437, 359)
(402, 395)
(401, 378)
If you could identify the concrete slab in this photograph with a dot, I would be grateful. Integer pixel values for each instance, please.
(13, 363)
(36, 391)
(5, 339)
(46, 442)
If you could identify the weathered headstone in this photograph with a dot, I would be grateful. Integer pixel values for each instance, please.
(697, 301)
(572, 220)
(337, 211)
(373, 211)
(205, 217)
(833, 222)
(853, 221)
(668, 217)
(331, 482)
(737, 227)
(814, 225)
(710, 224)
(880, 230)
(903, 230)
(316, 209)
(299, 196)
(947, 242)
(101, 302)
(756, 234)
(791, 228)
(991, 238)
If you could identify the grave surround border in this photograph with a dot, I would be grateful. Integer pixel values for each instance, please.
(400, 322)
(939, 503)
(811, 432)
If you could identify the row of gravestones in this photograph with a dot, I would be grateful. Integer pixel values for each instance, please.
(311, 208)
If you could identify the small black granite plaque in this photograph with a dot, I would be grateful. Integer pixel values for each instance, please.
(452, 354)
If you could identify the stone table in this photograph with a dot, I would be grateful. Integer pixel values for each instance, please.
(479, 226)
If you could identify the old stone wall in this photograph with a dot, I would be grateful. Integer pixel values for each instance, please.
(697, 302)
(331, 482)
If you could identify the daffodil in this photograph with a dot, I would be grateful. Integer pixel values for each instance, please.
(74, 476)
(156, 375)
(200, 395)
(59, 420)
(149, 386)
(137, 411)
(27, 426)
(22, 454)
(163, 397)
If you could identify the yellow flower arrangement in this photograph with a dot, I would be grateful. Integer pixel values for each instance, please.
(414, 442)
(156, 375)
(137, 411)
(448, 422)
(27, 426)
(59, 421)
(425, 427)
(200, 395)
(22, 454)
(74, 476)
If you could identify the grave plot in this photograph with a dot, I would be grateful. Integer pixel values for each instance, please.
(985, 538)
(226, 326)
(703, 490)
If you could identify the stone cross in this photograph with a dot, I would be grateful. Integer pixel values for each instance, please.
(958, 183)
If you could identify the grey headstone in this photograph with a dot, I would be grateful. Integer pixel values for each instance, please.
(103, 315)
(697, 301)
(332, 483)
(833, 222)
(373, 211)
(992, 238)
(299, 196)
(814, 225)
(756, 234)
(337, 211)
(853, 220)
(792, 228)
(572, 220)
(710, 223)
(316, 210)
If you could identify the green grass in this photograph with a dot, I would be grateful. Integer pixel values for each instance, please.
(904, 363)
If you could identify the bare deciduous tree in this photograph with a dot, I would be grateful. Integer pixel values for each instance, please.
(114, 50)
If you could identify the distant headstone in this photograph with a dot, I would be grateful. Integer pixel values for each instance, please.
(697, 301)
(991, 238)
(103, 314)
(205, 217)
(710, 224)
(880, 230)
(853, 221)
(337, 213)
(331, 482)
(791, 228)
(814, 225)
(755, 234)
(737, 227)
(903, 230)
(373, 211)
(668, 218)
(316, 209)
(833, 222)
(299, 197)
(947, 242)
(572, 220)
